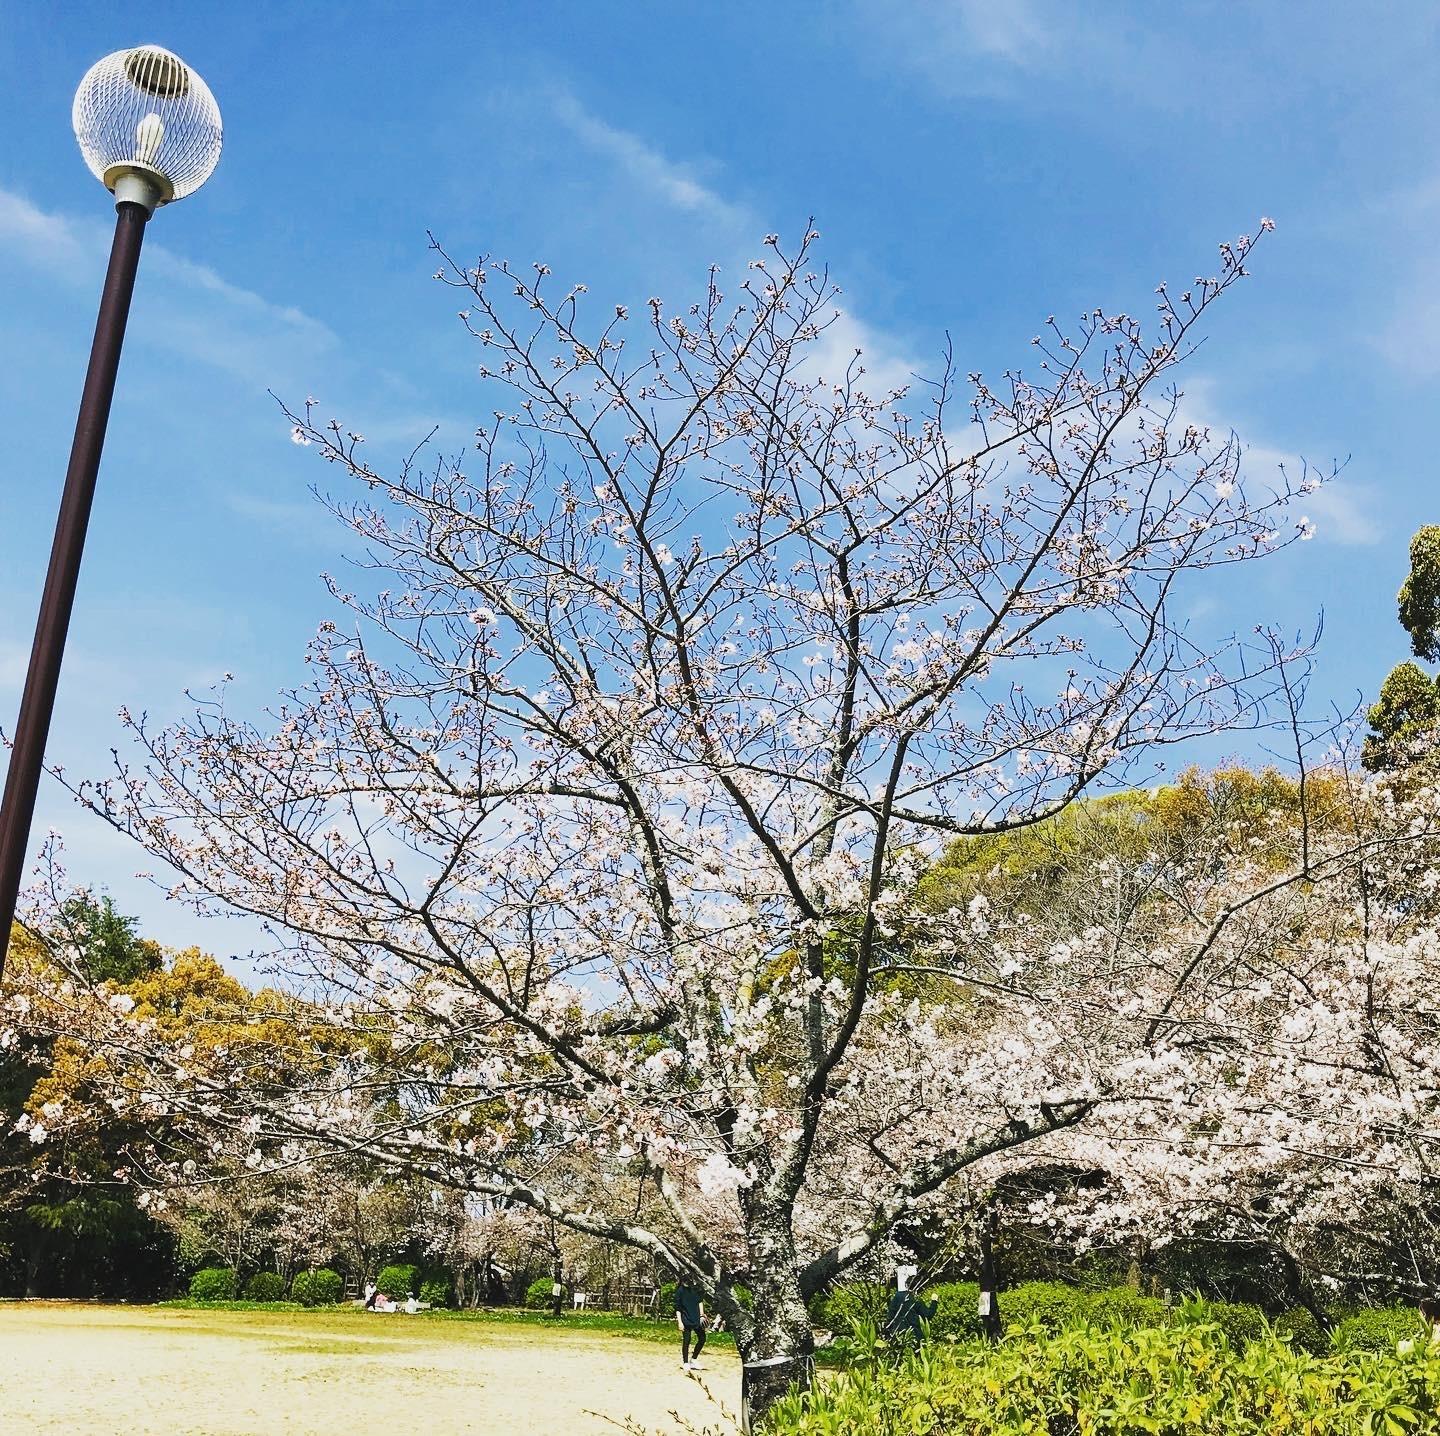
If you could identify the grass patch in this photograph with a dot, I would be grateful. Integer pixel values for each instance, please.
(188, 1303)
(598, 1323)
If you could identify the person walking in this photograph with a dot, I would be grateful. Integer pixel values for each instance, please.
(690, 1319)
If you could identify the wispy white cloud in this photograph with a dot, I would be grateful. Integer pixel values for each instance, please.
(998, 48)
(1342, 509)
(1013, 31)
(671, 181)
(191, 309)
(303, 521)
(13, 658)
(1410, 334)
(48, 240)
(886, 361)
(201, 277)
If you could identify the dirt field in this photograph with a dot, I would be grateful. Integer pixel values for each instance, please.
(121, 1371)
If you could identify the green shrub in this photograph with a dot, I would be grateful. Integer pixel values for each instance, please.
(1241, 1323)
(956, 1317)
(1301, 1329)
(213, 1283)
(398, 1282)
(1046, 1304)
(540, 1293)
(844, 1309)
(1124, 1306)
(435, 1292)
(317, 1288)
(328, 1286)
(667, 1298)
(1380, 1329)
(1184, 1379)
(265, 1286)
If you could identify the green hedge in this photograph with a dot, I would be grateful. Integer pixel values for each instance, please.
(850, 1307)
(398, 1281)
(1381, 1329)
(1301, 1329)
(213, 1283)
(435, 1291)
(1184, 1379)
(317, 1288)
(540, 1293)
(1123, 1306)
(844, 1309)
(1049, 1306)
(265, 1286)
(956, 1316)
(1239, 1323)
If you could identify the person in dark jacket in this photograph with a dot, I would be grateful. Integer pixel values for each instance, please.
(906, 1313)
(690, 1319)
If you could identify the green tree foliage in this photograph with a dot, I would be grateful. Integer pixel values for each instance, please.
(1408, 708)
(1407, 711)
(1420, 595)
(1215, 816)
(68, 1225)
(106, 945)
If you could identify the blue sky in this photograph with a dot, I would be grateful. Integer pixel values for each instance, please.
(972, 166)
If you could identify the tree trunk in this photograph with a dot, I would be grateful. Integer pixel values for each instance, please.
(35, 1254)
(1304, 1292)
(989, 1277)
(1138, 1258)
(776, 1343)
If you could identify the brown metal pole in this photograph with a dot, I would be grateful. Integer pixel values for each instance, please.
(27, 757)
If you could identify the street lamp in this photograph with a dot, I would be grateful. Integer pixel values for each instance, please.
(149, 129)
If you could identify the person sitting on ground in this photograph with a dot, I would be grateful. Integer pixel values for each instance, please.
(906, 1314)
(1430, 1315)
(690, 1318)
(371, 1292)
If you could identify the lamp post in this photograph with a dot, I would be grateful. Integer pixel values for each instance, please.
(149, 129)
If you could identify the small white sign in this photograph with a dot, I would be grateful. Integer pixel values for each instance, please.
(982, 1307)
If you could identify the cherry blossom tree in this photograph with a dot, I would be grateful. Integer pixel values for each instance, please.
(1281, 957)
(595, 827)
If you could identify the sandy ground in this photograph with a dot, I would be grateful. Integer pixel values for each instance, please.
(121, 1371)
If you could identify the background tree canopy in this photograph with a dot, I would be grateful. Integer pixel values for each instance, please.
(1408, 707)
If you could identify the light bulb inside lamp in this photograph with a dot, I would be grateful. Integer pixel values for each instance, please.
(149, 135)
